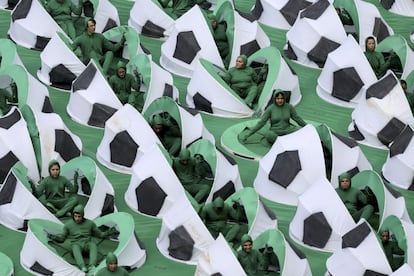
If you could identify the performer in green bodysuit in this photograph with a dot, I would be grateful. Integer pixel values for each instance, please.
(220, 37)
(79, 232)
(279, 113)
(112, 268)
(376, 59)
(251, 259)
(168, 133)
(61, 11)
(351, 197)
(95, 46)
(127, 87)
(391, 249)
(52, 191)
(242, 79)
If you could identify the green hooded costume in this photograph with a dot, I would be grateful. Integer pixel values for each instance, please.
(169, 134)
(185, 168)
(243, 81)
(220, 37)
(96, 46)
(80, 238)
(5, 98)
(279, 117)
(216, 215)
(123, 86)
(391, 249)
(252, 261)
(376, 60)
(51, 192)
(352, 198)
(61, 11)
(119, 271)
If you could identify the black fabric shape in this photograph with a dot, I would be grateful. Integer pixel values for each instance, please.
(320, 51)
(394, 193)
(316, 230)
(123, 149)
(369, 272)
(390, 131)
(356, 134)
(346, 84)
(100, 114)
(249, 48)
(168, 90)
(109, 25)
(190, 110)
(255, 13)
(316, 10)
(382, 88)
(88, 9)
(401, 142)
(9, 187)
(85, 78)
(346, 140)
(268, 211)
(187, 47)
(152, 30)
(47, 106)
(291, 10)
(6, 163)
(61, 77)
(387, 4)
(41, 42)
(21, 10)
(380, 30)
(10, 120)
(225, 191)
(285, 168)
(356, 236)
(36, 267)
(290, 53)
(108, 206)
(24, 226)
(352, 172)
(181, 244)
(202, 103)
(150, 197)
(65, 146)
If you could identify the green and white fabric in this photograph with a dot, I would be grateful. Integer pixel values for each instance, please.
(6, 265)
(105, 15)
(132, 41)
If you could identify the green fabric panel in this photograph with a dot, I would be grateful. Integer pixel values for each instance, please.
(273, 238)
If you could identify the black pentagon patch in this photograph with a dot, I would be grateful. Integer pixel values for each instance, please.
(356, 236)
(285, 168)
(390, 131)
(316, 10)
(381, 88)
(47, 106)
(109, 25)
(202, 103)
(225, 191)
(36, 267)
(60, 76)
(401, 142)
(168, 90)
(346, 84)
(387, 4)
(10, 120)
(21, 10)
(85, 78)
(290, 53)
(41, 42)
(150, 197)
(181, 244)
(9, 187)
(6, 163)
(100, 114)
(320, 52)
(380, 30)
(152, 30)
(249, 48)
(65, 145)
(187, 47)
(123, 149)
(356, 133)
(291, 9)
(316, 230)
(109, 205)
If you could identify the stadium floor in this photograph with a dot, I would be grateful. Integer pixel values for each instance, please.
(311, 108)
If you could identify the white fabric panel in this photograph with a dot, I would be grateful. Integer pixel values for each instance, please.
(154, 164)
(293, 264)
(193, 20)
(183, 214)
(219, 258)
(333, 209)
(127, 119)
(81, 102)
(368, 255)
(404, 270)
(403, 7)
(349, 54)
(104, 11)
(306, 141)
(262, 222)
(146, 10)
